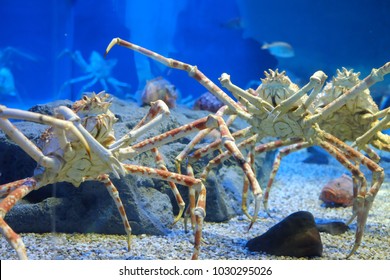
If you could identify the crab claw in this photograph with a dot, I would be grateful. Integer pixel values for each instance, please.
(113, 42)
(116, 167)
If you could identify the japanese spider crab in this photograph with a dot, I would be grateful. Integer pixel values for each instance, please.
(7, 81)
(97, 70)
(84, 148)
(283, 112)
(358, 121)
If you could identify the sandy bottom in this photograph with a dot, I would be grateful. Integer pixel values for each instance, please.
(296, 188)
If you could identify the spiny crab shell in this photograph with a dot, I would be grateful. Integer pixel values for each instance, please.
(96, 116)
(276, 87)
(159, 89)
(342, 82)
(352, 112)
(98, 120)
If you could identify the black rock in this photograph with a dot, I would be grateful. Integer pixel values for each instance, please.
(316, 156)
(295, 236)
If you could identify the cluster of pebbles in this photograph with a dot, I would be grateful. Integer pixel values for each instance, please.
(296, 188)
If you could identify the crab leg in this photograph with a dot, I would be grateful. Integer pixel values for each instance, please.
(381, 141)
(164, 138)
(315, 84)
(191, 70)
(180, 202)
(365, 198)
(117, 84)
(201, 152)
(77, 80)
(296, 144)
(244, 96)
(372, 132)
(19, 138)
(212, 121)
(199, 137)
(157, 112)
(227, 154)
(14, 191)
(105, 179)
(194, 185)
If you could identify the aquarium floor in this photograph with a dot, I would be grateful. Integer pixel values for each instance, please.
(292, 192)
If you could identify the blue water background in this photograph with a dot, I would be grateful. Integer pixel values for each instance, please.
(216, 35)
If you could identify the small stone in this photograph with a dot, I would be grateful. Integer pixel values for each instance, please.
(295, 236)
(333, 227)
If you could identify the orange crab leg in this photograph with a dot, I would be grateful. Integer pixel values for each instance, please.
(105, 179)
(278, 158)
(194, 185)
(364, 199)
(201, 152)
(157, 112)
(180, 202)
(191, 70)
(200, 136)
(14, 191)
(227, 140)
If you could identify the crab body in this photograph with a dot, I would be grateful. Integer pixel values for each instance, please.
(352, 119)
(77, 164)
(96, 70)
(84, 148)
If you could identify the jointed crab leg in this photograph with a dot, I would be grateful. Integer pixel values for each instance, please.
(365, 198)
(217, 144)
(245, 97)
(195, 186)
(191, 70)
(201, 135)
(249, 142)
(295, 143)
(25, 143)
(15, 191)
(361, 141)
(167, 137)
(157, 112)
(211, 121)
(180, 202)
(105, 179)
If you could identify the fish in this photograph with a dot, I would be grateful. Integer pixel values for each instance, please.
(279, 49)
(338, 192)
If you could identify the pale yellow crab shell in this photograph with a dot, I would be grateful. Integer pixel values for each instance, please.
(340, 84)
(276, 87)
(96, 116)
